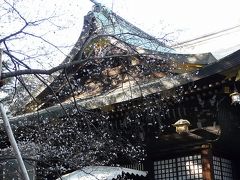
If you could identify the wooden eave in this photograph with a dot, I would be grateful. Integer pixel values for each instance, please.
(127, 93)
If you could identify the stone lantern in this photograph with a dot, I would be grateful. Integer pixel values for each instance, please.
(181, 126)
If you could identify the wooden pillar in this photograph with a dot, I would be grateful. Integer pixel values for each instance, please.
(207, 163)
(149, 163)
(148, 166)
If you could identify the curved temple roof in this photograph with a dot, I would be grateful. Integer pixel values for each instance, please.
(121, 38)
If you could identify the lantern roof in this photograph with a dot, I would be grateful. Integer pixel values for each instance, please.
(181, 122)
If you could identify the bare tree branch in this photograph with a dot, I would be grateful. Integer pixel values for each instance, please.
(61, 66)
(19, 14)
(13, 34)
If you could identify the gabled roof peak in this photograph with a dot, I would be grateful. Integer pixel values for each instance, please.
(110, 23)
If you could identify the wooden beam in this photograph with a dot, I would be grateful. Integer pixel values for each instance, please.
(207, 164)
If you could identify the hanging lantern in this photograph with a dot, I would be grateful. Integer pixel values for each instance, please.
(235, 97)
(182, 126)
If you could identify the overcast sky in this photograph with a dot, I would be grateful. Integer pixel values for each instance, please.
(184, 20)
(187, 19)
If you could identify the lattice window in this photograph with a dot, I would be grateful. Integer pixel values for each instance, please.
(222, 168)
(182, 168)
(165, 169)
